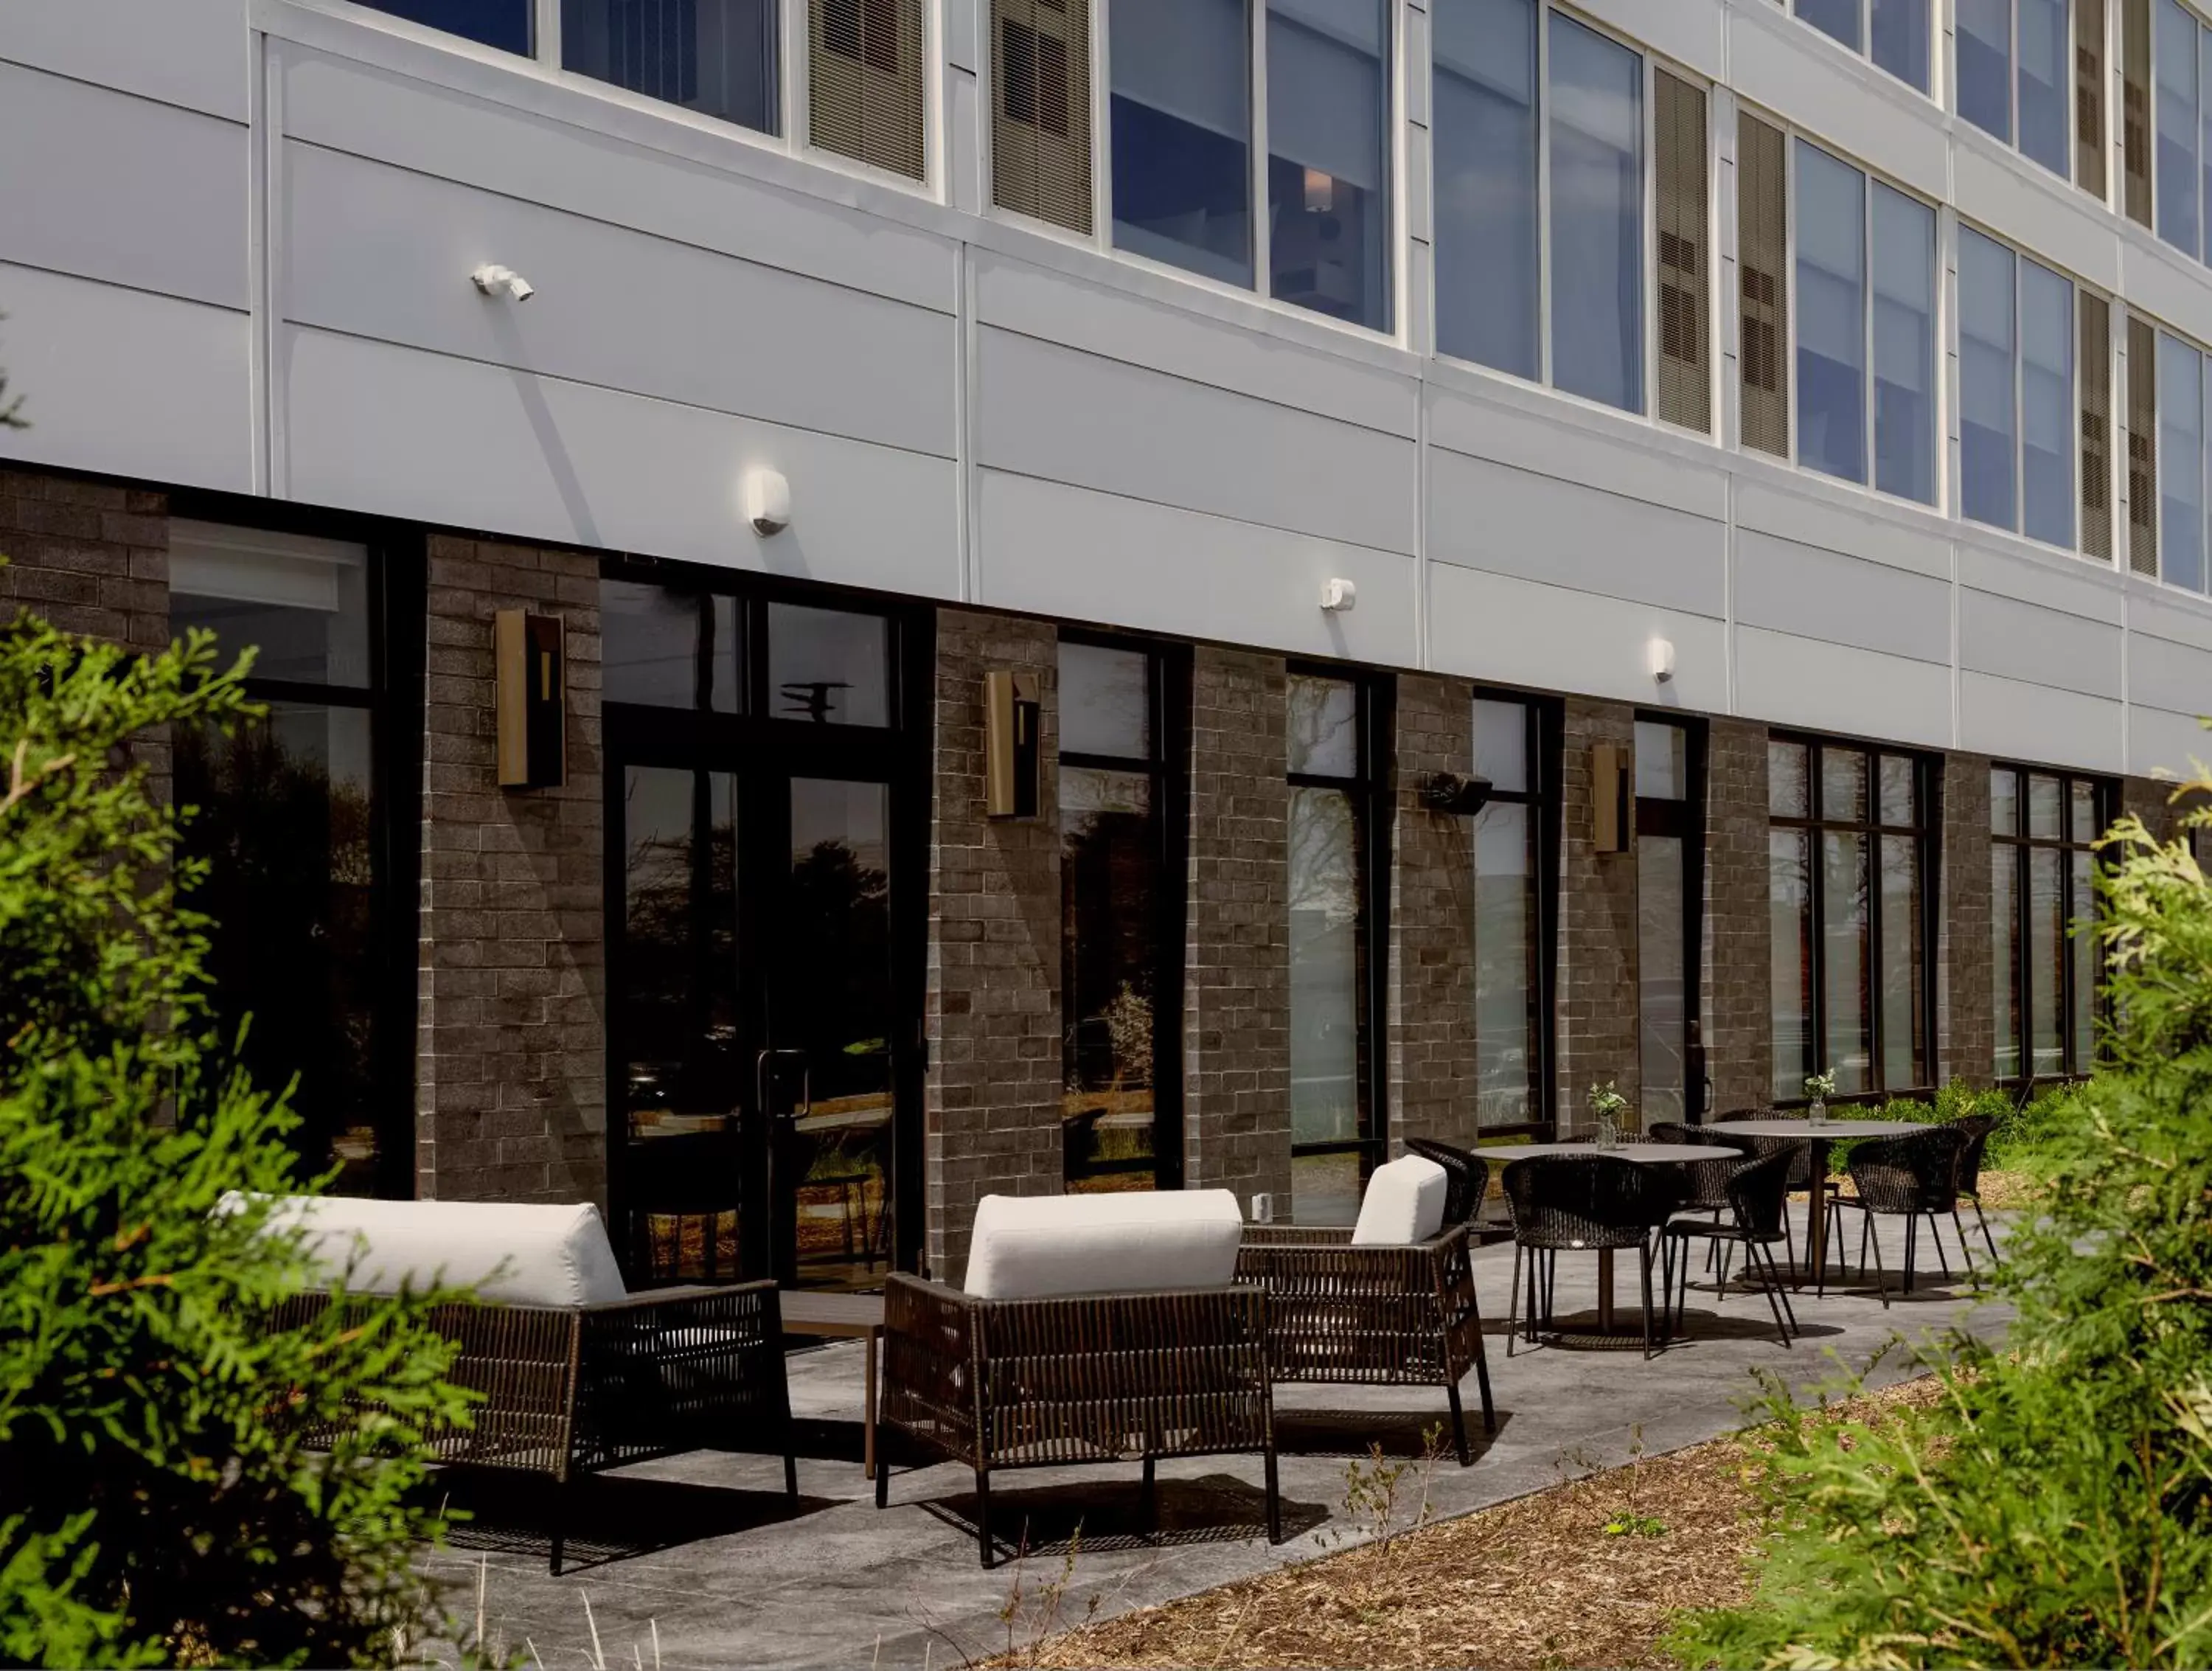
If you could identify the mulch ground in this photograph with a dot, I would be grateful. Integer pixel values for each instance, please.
(1586, 1574)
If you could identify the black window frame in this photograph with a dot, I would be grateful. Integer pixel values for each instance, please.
(1369, 791)
(1545, 742)
(1683, 819)
(1168, 690)
(1926, 790)
(2104, 796)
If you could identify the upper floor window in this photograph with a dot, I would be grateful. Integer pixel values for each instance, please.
(1190, 80)
(2016, 79)
(716, 57)
(1041, 110)
(506, 24)
(2041, 824)
(1894, 34)
(2180, 396)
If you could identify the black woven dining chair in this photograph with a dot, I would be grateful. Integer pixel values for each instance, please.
(1705, 1182)
(1758, 1193)
(1578, 1203)
(1911, 1177)
(1800, 1171)
(1976, 1129)
(1467, 1177)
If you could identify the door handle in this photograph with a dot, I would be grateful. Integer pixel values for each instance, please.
(763, 1074)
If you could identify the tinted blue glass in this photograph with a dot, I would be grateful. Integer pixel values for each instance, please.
(1903, 346)
(1839, 18)
(1899, 28)
(1182, 117)
(1830, 314)
(2180, 464)
(1328, 107)
(1987, 448)
(1484, 143)
(2173, 62)
(716, 57)
(1597, 216)
(501, 23)
(1984, 49)
(2046, 405)
(2046, 84)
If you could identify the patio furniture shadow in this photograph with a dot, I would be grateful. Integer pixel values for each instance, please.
(1705, 1324)
(1049, 1521)
(1307, 1431)
(605, 1518)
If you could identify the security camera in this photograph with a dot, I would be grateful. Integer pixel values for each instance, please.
(494, 281)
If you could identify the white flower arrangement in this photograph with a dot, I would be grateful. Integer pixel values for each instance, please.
(1819, 1087)
(1606, 1099)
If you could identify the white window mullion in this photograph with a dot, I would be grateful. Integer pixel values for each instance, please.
(1544, 195)
(791, 66)
(547, 33)
(1648, 241)
(2019, 392)
(1796, 310)
(1871, 386)
(1102, 135)
(1262, 278)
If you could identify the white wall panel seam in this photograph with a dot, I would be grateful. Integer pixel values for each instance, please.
(262, 161)
(31, 66)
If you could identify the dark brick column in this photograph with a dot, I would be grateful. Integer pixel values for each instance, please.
(92, 557)
(1430, 1037)
(1597, 991)
(1965, 996)
(2149, 798)
(1236, 966)
(992, 1093)
(1739, 1025)
(510, 1092)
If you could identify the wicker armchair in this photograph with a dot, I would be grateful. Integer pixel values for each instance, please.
(1757, 1192)
(1910, 1177)
(570, 1390)
(1976, 1129)
(1800, 1171)
(1582, 1203)
(1467, 1177)
(1378, 1316)
(1083, 1378)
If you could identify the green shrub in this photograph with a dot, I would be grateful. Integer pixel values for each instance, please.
(158, 1498)
(2055, 1508)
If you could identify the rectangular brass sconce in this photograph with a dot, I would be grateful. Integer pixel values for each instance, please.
(1013, 745)
(530, 667)
(1609, 803)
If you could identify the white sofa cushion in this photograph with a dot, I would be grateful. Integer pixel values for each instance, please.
(554, 1256)
(1404, 1204)
(1038, 1247)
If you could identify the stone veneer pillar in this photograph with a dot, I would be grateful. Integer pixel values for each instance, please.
(1431, 1027)
(511, 1067)
(1597, 1000)
(1965, 991)
(1738, 975)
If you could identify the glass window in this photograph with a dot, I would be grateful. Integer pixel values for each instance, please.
(1501, 745)
(1904, 345)
(658, 646)
(1105, 700)
(1662, 769)
(1335, 1135)
(2181, 463)
(827, 666)
(2046, 132)
(1597, 216)
(1328, 203)
(1839, 18)
(1830, 314)
(2046, 405)
(716, 57)
(1900, 41)
(504, 24)
(1848, 860)
(2016, 392)
(1988, 446)
(2045, 969)
(2174, 65)
(1182, 122)
(1509, 972)
(1985, 49)
(1484, 145)
(1670, 928)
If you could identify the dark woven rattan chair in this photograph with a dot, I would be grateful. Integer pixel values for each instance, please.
(1376, 1316)
(1084, 1378)
(1976, 1129)
(1799, 1171)
(571, 1390)
(1575, 1203)
(1466, 1176)
(1911, 1177)
(1757, 1192)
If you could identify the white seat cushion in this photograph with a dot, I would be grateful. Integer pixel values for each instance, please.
(1404, 1204)
(1038, 1247)
(554, 1256)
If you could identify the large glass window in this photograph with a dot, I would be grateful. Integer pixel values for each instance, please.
(2045, 966)
(1336, 1134)
(1329, 138)
(1512, 909)
(1120, 920)
(1848, 867)
(1985, 49)
(504, 24)
(1893, 33)
(2017, 405)
(1484, 143)
(1670, 918)
(2174, 67)
(2181, 437)
(1596, 205)
(716, 57)
(312, 931)
(2032, 73)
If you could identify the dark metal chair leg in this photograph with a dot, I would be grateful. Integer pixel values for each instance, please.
(1759, 1258)
(1459, 1423)
(559, 1528)
(1934, 1236)
(1782, 1288)
(1151, 1495)
(1513, 1304)
(1643, 1261)
(791, 1474)
(1911, 1241)
(983, 1517)
(883, 1480)
(1274, 1501)
(1989, 1239)
(1880, 1273)
(1966, 1253)
(1482, 1374)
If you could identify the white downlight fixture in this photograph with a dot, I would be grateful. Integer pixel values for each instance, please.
(497, 281)
(766, 498)
(1659, 660)
(1339, 596)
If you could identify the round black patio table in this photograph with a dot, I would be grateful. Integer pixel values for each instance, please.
(1818, 1135)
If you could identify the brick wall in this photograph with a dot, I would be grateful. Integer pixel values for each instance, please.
(510, 1093)
(1431, 1028)
(1597, 992)
(1966, 997)
(1739, 1026)
(90, 557)
(991, 1095)
(1237, 968)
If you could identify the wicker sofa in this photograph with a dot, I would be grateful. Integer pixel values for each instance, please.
(1096, 1329)
(574, 1373)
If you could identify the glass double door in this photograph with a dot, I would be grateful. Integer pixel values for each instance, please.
(759, 1048)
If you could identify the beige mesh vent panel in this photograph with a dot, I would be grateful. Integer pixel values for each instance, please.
(2089, 96)
(2134, 108)
(2094, 355)
(1041, 110)
(2143, 448)
(1762, 268)
(1685, 255)
(864, 81)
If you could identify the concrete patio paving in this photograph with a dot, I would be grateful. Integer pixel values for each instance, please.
(704, 1550)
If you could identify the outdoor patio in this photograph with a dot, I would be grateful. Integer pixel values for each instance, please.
(703, 1550)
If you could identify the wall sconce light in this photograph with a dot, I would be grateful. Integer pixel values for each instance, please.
(1659, 659)
(1612, 824)
(529, 657)
(1459, 795)
(767, 499)
(497, 281)
(1339, 596)
(1013, 745)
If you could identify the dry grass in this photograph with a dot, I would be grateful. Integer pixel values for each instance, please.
(1586, 1573)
